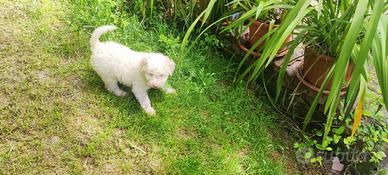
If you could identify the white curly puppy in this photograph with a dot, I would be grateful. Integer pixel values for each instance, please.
(115, 63)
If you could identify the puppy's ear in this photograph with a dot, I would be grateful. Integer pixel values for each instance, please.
(170, 65)
(143, 64)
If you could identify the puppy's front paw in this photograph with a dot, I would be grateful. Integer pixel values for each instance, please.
(151, 111)
(170, 91)
(122, 94)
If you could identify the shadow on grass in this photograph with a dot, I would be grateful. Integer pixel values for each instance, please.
(126, 112)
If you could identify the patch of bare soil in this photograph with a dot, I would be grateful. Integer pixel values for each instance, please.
(287, 157)
(120, 155)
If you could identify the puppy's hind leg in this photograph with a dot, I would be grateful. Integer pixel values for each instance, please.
(112, 86)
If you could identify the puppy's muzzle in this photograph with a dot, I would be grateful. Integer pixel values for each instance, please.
(155, 86)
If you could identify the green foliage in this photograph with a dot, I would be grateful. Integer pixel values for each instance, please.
(327, 26)
(211, 40)
(169, 43)
(56, 116)
(98, 12)
(365, 146)
(370, 137)
(317, 160)
(276, 41)
(265, 10)
(380, 57)
(178, 12)
(344, 30)
(246, 10)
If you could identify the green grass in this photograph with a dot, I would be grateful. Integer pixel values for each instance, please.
(56, 117)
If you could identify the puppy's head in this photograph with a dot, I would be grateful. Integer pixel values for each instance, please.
(156, 68)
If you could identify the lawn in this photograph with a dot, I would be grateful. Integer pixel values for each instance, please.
(56, 116)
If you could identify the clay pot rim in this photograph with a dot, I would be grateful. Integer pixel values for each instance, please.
(313, 87)
(319, 56)
(256, 54)
(260, 22)
(326, 57)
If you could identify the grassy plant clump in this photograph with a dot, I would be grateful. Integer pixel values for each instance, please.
(57, 117)
(349, 31)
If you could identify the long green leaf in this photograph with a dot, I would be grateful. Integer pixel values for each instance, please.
(341, 64)
(211, 25)
(151, 7)
(380, 57)
(317, 97)
(248, 54)
(240, 20)
(186, 38)
(284, 66)
(284, 30)
(358, 112)
(343, 59)
(259, 9)
(208, 10)
(362, 56)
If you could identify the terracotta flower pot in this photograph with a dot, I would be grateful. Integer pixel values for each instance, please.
(257, 30)
(316, 67)
(280, 53)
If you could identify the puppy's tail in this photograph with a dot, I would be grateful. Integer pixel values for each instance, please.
(98, 32)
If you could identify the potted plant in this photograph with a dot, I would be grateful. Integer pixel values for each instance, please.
(344, 30)
(261, 26)
(347, 31)
(325, 30)
(340, 36)
(262, 18)
(230, 22)
(315, 68)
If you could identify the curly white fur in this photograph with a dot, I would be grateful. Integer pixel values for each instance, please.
(115, 63)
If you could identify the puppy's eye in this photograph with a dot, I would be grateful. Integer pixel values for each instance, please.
(151, 74)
